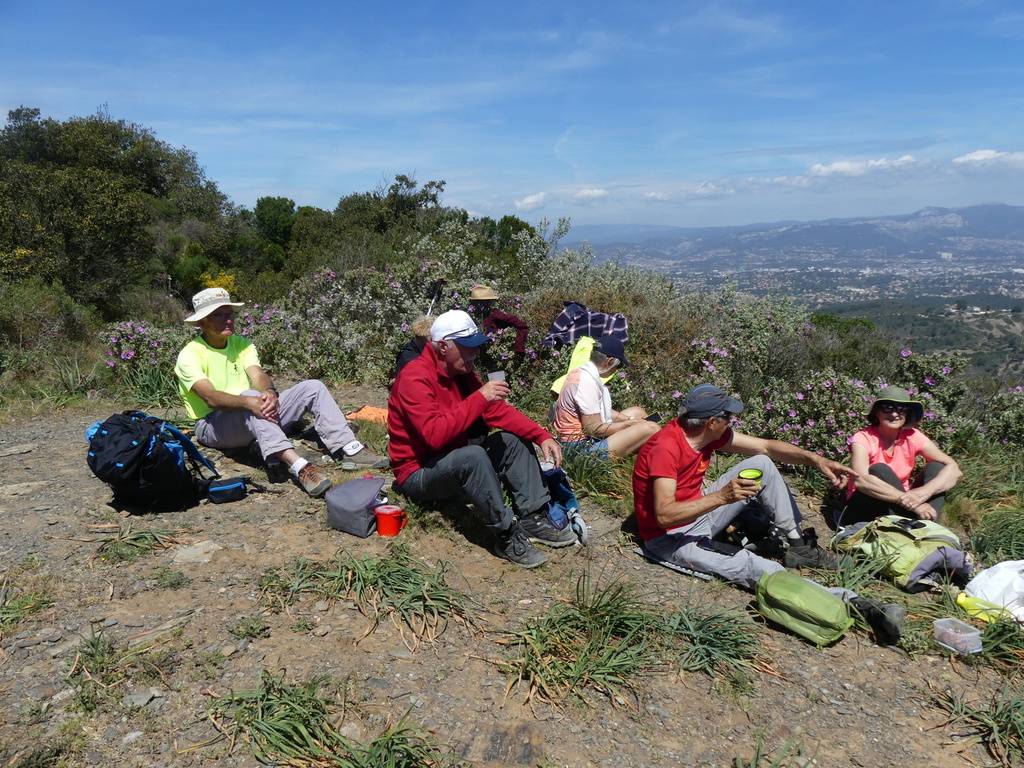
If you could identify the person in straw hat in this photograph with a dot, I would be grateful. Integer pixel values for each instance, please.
(483, 307)
(235, 402)
(884, 455)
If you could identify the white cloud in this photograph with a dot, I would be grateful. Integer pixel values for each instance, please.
(531, 202)
(661, 197)
(860, 167)
(989, 157)
(593, 193)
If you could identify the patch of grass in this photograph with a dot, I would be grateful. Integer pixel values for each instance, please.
(418, 600)
(250, 627)
(1002, 644)
(600, 640)
(999, 534)
(374, 435)
(990, 476)
(16, 605)
(102, 667)
(997, 723)
(302, 626)
(719, 643)
(60, 752)
(150, 386)
(168, 578)
(596, 476)
(292, 725)
(209, 664)
(786, 757)
(128, 544)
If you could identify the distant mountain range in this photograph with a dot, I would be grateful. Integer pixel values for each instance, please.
(985, 231)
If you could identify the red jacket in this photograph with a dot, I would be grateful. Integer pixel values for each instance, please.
(429, 414)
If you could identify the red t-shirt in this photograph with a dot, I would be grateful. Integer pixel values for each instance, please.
(668, 454)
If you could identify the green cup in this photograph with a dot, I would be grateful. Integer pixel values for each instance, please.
(751, 474)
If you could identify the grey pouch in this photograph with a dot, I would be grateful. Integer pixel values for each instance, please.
(350, 505)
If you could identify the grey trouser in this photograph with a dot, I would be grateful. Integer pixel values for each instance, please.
(477, 472)
(862, 507)
(238, 428)
(743, 568)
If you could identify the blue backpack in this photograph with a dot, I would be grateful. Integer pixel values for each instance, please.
(147, 462)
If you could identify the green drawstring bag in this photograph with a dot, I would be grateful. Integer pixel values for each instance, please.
(803, 607)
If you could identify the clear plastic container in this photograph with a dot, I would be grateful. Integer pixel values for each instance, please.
(957, 636)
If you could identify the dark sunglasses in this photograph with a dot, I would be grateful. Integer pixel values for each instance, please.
(893, 408)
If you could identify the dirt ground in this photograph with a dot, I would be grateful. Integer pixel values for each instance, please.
(854, 704)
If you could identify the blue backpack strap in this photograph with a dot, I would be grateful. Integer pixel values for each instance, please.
(190, 448)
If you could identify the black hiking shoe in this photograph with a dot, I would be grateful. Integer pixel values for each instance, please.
(514, 546)
(806, 553)
(539, 530)
(885, 619)
(364, 458)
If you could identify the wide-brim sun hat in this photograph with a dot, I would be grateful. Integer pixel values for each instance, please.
(456, 325)
(899, 396)
(210, 300)
(483, 293)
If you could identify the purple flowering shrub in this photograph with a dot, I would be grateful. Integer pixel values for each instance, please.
(141, 358)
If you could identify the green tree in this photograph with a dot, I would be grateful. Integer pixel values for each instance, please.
(274, 219)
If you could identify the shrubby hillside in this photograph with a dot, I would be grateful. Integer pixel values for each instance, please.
(105, 231)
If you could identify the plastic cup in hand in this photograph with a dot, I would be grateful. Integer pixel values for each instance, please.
(751, 474)
(496, 376)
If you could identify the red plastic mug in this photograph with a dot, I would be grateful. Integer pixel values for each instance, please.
(390, 519)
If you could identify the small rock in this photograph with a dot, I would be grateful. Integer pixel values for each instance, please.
(200, 552)
(137, 700)
(60, 696)
(321, 606)
(17, 450)
(321, 631)
(110, 622)
(130, 737)
(93, 758)
(50, 635)
(23, 489)
(27, 642)
(401, 654)
(228, 651)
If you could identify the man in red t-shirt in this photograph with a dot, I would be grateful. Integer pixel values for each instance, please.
(678, 519)
(440, 418)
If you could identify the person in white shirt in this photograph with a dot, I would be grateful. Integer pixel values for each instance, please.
(584, 419)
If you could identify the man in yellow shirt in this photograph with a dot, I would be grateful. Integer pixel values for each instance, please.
(235, 402)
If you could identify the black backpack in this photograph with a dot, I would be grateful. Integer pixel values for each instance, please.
(147, 461)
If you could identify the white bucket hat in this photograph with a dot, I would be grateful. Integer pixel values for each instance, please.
(209, 300)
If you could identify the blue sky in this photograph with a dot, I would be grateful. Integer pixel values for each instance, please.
(660, 113)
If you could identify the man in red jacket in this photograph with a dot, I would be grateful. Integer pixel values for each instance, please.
(437, 403)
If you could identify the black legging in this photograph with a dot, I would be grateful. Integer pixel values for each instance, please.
(862, 507)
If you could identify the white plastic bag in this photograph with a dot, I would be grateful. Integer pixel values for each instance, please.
(1002, 584)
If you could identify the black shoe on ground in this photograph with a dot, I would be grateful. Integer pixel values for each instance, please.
(806, 553)
(540, 531)
(885, 619)
(514, 546)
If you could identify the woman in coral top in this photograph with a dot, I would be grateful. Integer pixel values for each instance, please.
(884, 456)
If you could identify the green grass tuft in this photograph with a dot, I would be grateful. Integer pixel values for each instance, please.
(128, 544)
(718, 642)
(168, 578)
(250, 627)
(596, 476)
(600, 640)
(397, 586)
(16, 606)
(1000, 535)
(786, 757)
(292, 725)
(997, 723)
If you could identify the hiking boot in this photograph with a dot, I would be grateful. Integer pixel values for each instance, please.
(364, 458)
(806, 553)
(513, 545)
(539, 530)
(313, 481)
(885, 619)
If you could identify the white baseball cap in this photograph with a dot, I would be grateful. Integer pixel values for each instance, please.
(209, 300)
(456, 325)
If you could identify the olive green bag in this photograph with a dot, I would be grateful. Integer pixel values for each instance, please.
(803, 607)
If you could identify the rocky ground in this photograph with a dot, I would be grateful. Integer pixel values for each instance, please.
(854, 704)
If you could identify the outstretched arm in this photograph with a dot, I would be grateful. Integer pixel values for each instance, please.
(787, 453)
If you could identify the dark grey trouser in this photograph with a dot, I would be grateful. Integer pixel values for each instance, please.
(862, 507)
(237, 428)
(477, 472)
(744, 567)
